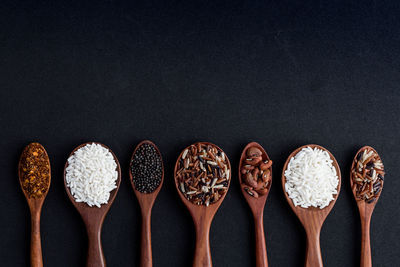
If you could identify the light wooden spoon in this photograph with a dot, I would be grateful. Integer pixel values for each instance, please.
(35, 207)
(146, 202)
(257, 208)
(366, 210)
(312, 218)
(202, 218)
(93, 217)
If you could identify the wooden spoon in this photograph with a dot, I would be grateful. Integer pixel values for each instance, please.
(202, 218)
(312, 218)
(93, 217)
(366, 210)
(146, 201)
(35, 207)
(257, 208)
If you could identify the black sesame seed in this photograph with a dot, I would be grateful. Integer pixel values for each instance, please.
(380, 177)
(146, 168)
(359, 155)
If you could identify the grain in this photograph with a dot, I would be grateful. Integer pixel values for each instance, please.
(91, 174)
(368, 175)
(203, 173)
(146, 168)
(311, 178)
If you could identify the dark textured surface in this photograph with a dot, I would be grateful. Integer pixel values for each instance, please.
(280, 73)
(146, 168)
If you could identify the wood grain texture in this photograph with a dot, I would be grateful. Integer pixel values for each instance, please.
(36, 244)
(257, 208)
(312, 218)
(146, 202)
(35, 208)
(365, 209)
(365, 216)
(93, 217)
(202, 218)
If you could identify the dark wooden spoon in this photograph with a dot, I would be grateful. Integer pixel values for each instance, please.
(146, 202)
(35, 207)
(202, 218)
(257, 208)
(366, 210)
(93, 217)
(312, 218)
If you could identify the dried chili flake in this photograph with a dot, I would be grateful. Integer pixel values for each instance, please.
(34, 170)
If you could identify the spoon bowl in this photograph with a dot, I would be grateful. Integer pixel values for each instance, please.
(362, 203)
(93, 217)
(257, 207)
(366, 209)
(312, 218)
(202, 217)
(146, 202)
(35, 207)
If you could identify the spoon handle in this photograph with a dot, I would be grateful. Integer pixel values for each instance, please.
(36, 246)
(202, 256)
(146, 257)
(313, 254)
(366, 260)
(261, 250)
(95, 256)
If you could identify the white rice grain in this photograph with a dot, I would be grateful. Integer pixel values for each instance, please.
(91, 174)
(311, 178)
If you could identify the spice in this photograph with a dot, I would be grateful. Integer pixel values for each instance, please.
(203, 173)
(34, 171)
(311, 178)
(146, 168)
(367, 175)
(91, 174)
(256, 172)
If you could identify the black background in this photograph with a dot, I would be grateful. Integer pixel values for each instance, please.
(281, 73)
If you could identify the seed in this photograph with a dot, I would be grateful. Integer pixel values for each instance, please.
(187, 161)
(146, 168)
(34, 170)
(206, 171)
(256, 173)
(250, 180)
(368, 178)
(182, 187)
(253, 152)
(185, 153)
(369, 165)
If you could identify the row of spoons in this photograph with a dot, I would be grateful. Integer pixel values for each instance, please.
(93, 217)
